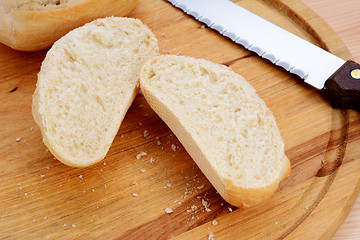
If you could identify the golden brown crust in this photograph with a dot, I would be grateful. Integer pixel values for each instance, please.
(29, 30)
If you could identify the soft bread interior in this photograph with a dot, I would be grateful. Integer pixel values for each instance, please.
(87, 82)
(235, 135)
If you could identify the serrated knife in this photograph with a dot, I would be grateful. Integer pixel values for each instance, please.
(338, 79)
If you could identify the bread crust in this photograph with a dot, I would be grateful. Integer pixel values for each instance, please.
(33, 30)
(232, 193)
(235, 194)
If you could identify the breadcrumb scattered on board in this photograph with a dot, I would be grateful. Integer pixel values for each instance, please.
(168, 210)
(146, 134)
(206, 205)
(211, 237)
(141, 154)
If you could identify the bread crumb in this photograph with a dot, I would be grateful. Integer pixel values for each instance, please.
(73, 225)
(152, 160)
(203, 26)
(146, 134)
(173, 147)
(142, 170)
(230, 209)
(214, 222)
(18, 139)
(141, 154)
(135, 195)
(104, 163)
(140, 124)
(158, 142)
(206, 205)
(200, 187)
(211, 237)
(169, 210)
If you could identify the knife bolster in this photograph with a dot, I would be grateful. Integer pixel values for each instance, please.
(343, 87)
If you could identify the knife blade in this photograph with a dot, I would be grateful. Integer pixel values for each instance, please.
(336, 78)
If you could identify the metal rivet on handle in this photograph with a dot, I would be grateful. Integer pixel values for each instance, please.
(355, 73)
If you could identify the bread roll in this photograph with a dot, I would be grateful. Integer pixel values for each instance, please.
(87, 82)
(222, 123)
(31, 25)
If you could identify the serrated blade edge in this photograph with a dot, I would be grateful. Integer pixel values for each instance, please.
(269, 41)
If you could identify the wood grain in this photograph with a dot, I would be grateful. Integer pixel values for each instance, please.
(126, 195)
(342, 17)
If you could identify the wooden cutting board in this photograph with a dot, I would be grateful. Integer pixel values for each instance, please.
(126, 195)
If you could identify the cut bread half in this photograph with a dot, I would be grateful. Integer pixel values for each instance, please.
(87, 82)
(222, 123)
(32, 25)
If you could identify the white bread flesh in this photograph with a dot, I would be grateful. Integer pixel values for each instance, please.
(222, 123)
(87, 82)
(32, 25)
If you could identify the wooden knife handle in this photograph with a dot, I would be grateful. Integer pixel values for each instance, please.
(343, 87)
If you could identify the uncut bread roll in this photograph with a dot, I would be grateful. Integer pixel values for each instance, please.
(87, 82)
(222, 123)
(31, 25)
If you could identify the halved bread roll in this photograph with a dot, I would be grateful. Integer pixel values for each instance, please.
(222, 123)
(31, 25)
(86, 84)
